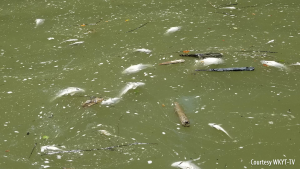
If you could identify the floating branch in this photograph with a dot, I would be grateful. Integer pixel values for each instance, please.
(203, 55)
(95, 149)
(228, 69)
(138, 27)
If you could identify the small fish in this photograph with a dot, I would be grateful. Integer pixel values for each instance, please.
(172, 30)
(39, 22)
(104, 132)
(218, 127)
(271, 41)
(111, 101)
(273, 64)
(182, 117)
(49, 147)
(185, 165)
(89, 103)
(143, 50)
(210, 61)
(76, 43)
(68, 91)
(228, 7)
(129, 86)
(172, 62)
(136, 68)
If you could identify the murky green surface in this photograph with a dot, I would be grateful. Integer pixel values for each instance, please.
(258, 109)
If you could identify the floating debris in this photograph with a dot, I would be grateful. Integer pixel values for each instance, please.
(91, 102)
(228, 69)
(185, 165)
(110, 101)
(172, 62)
(89, 23)
(136, 68)
(218, 127)
(172, 30)
(210, 61)
(262, 51)
(202, 55)
(68, 91)
(182, 117)
(273, 64)
(129, 86)
(39, 22)
(143, 50)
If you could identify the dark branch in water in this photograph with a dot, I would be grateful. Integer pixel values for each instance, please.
(32, 149)
(203, 55)
(138, 27)
(228, 69)
(95, 149)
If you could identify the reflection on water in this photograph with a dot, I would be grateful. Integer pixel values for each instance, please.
(89, 45)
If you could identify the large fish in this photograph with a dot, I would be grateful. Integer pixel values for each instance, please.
(68, 91)
(110, 101)
(218, 127)
(210, 61)
(136, 68)
(185, 165)
(273, 64)
(182, 117)
(129, 86)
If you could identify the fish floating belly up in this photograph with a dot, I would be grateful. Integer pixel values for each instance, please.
(172, 30)
(68, 91)
(136, 68)
(273, 64)
(172, 62)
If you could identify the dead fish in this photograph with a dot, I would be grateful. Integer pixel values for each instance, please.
(39, 22)
(129, 86)
(228, 7)
(68, 91)
(76, 43)
(185, 165)
(89, 103)
(143, 50)
(110, 101)
(273, 64)
(172, 30)
(50, 147)
(136, 68)
(173, 62)
(182, 117)
(104, 132)
(210, 61)
(218, 127)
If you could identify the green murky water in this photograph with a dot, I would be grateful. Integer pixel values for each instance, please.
(258, 109)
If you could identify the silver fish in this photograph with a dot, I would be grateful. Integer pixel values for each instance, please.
(218, 127)
(136, 68)
(173, 29)
(39, 22)
(274, 64)
(129, 86)
(50, 147)
(68, 91)
(143, 50)
(110, 101)
(185, 165)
